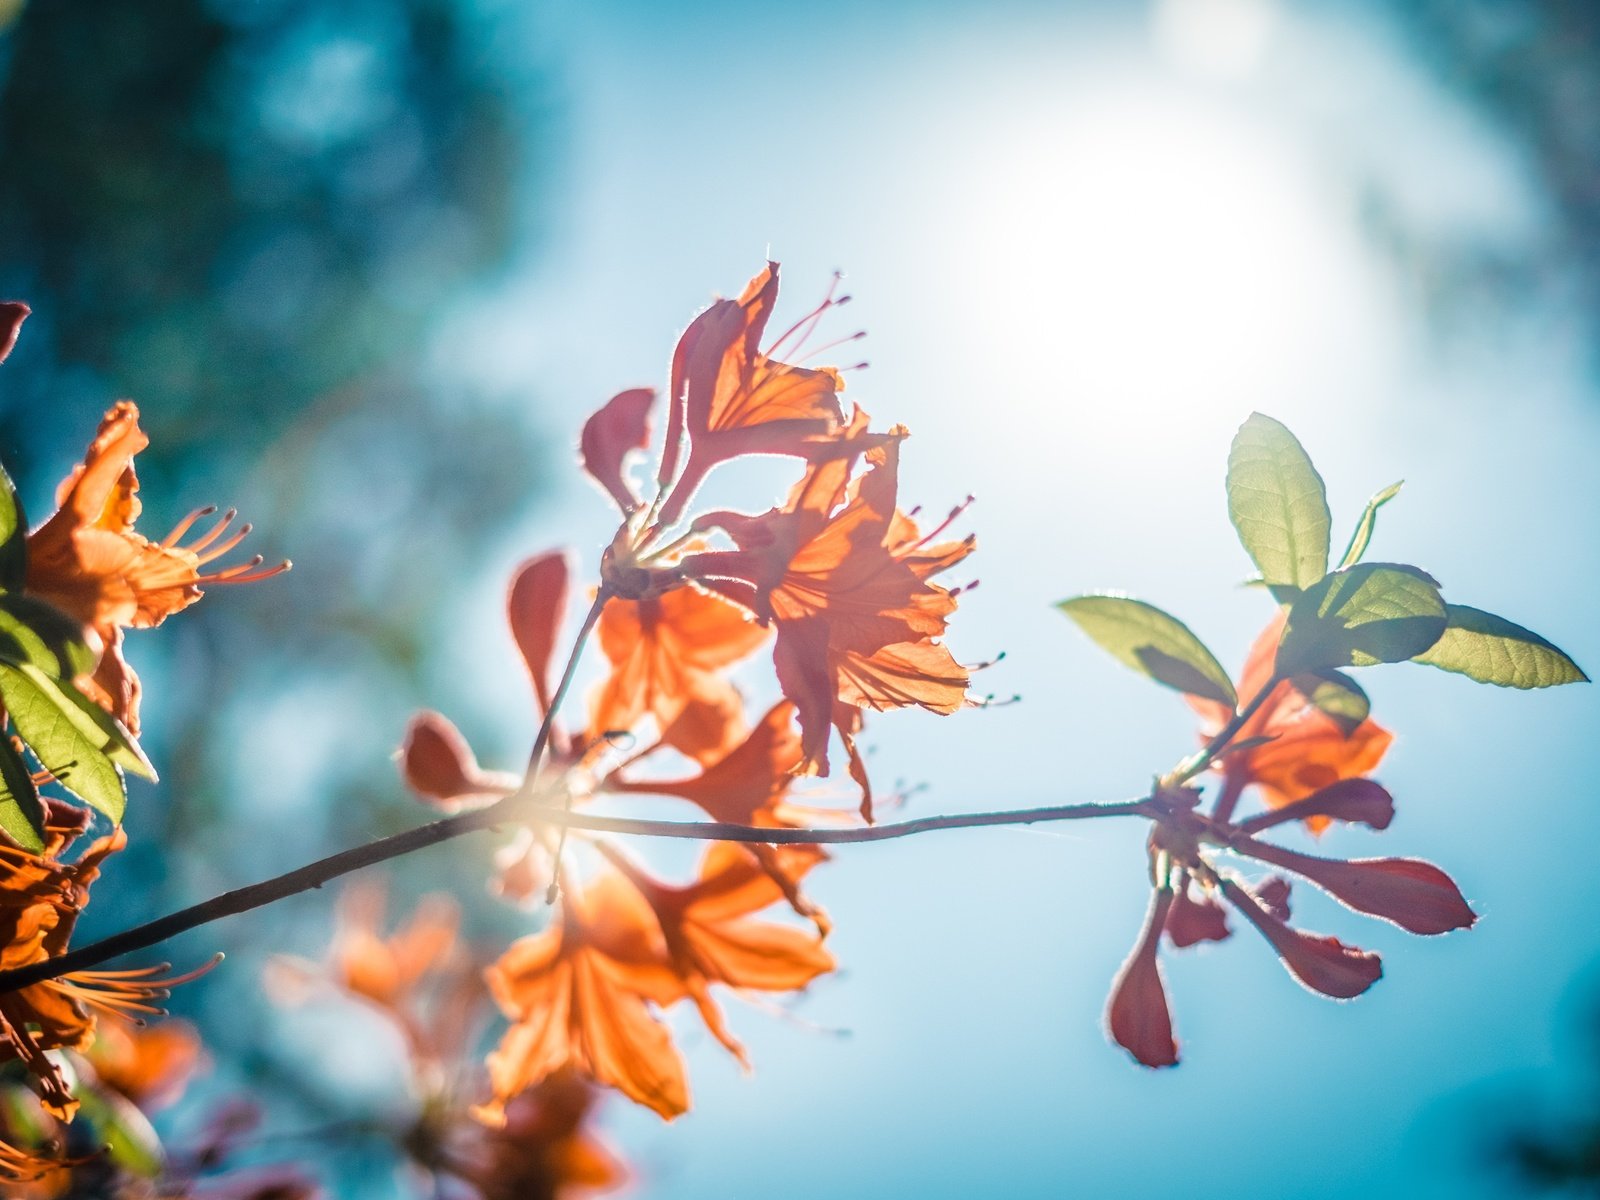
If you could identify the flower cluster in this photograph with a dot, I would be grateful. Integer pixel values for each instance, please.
(1297, 730)
(1309, 768)
(427, 984)
(68, 591)
(838, 578)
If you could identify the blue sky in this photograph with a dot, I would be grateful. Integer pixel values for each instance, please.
(1087, 241)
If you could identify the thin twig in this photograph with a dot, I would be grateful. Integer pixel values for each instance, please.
(314, 875)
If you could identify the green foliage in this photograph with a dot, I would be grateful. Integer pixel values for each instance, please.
(21, 814)
(1361, 615)
(1362, 535)
(36, 633)
(70, 742)
(1336, 695)
(1152, 642)
(1278, 504)
(13, 537)
(1491, 649)
(129, 1140)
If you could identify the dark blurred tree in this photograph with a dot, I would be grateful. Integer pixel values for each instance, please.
(1542, 1147)
(252, 218)
(1532, 68)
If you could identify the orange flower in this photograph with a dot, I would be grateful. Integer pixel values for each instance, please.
(87, 560)
(48, 1175)
(418, 977)
(1309, 749)
(844, 575)
(542, 1152)
(149, 1064)
(665, 652)
(579, 997)
(712, 938)
(746, 787)
(731, 398)
(58, 1013)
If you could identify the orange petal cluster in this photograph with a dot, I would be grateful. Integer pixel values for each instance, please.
(840, 577)
(844, 575)
(1305, 749)
(666, 655)
(1311, 769)
(40, 899)
(582, 995)
(88, 561)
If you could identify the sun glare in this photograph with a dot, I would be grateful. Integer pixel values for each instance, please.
(1167, 254)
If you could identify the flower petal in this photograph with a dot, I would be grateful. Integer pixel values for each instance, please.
(1323, 964)
(620, 426)
(12, 314)
(1190, 921)
(1355, 801)
(536, 605)
(1137, 1015)
(1413, 894)
(439, 766)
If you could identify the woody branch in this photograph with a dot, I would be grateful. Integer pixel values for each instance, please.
(314, 875)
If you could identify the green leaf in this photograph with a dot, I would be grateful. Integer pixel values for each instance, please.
(13, 537)
(120, 746)
(1369, 519)
(1283, 593)
(21, 814)
(124, 1131)
(34, 632)
(1336, 695)
(63, 736)
(1278, 504)
(1491, 649)
(1361, 615)
(1153, 643)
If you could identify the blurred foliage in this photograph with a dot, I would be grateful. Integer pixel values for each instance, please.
(1552, 1147)
(252, 218)
(1532, 68)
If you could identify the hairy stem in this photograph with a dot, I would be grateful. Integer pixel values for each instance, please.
(541, 739)
(314, 875)
(1227, 733)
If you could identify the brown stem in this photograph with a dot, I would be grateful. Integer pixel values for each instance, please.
(531, 780)
(1226, 734)
(541, 740)
(314, 875)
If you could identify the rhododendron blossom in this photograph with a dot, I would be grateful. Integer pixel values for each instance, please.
(681, 708)
(88, 561)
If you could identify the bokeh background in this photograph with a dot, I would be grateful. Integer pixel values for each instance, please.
(367, 267)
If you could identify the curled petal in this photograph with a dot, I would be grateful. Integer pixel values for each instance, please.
(1137, 1016)
(536, 605)
(621, 426)
(439, 766)
(1356, 801)
(1323, 964)
(1273, 892)
(1190, 921)
(12, 314)
(1415, 895)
